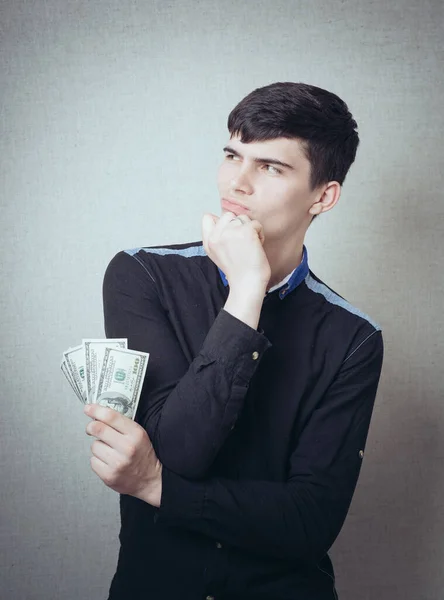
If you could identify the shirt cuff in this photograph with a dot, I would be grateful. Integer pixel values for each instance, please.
(182, 500)
(232, 342)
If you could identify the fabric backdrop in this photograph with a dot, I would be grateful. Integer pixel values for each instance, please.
(113, 118)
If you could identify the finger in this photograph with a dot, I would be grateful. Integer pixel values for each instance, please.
(257, 225)
(103, 452)
(242, 219)
(213, 217)
(109, 416)
(101, 469)
(107, 435)
(223, 222)
(225, 219)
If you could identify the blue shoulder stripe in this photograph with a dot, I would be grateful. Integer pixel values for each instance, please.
(187, 252)
(330, 296)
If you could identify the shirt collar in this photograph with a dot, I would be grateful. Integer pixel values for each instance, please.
(290, 282)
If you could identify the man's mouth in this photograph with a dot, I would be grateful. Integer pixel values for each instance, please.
(234, 207)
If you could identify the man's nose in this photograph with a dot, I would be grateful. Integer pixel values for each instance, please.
(242, 182)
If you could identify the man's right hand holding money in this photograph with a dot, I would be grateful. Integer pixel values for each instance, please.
(123, 455)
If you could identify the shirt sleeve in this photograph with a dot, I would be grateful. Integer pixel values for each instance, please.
(301, 517)
(188, 410)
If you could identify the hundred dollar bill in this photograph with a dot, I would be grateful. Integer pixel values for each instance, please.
(75, 361)
(121, 379)
(71, 381)
(94, 353)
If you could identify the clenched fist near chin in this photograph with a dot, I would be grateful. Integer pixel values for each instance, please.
(235, 245)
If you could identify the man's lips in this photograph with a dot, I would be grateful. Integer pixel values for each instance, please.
(234, 207)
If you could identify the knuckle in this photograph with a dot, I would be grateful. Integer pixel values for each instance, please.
(119, 465)
(98, 411)
(131, 450)
(139, 434)
(109, 414)
(97, 428)
(109, 480)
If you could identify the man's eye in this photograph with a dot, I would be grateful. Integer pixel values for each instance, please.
(272, 169)
(230, 156)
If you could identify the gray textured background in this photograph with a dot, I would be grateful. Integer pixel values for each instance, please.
(112, 122)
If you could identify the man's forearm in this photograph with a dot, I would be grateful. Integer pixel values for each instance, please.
(201, 411)
(189, 410)
(289, 522)
(245, 303)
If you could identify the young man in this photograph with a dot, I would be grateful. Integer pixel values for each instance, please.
(239, 472)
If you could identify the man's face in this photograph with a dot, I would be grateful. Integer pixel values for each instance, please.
(272, 180)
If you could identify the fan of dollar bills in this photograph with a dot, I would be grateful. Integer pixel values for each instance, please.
(106, 372)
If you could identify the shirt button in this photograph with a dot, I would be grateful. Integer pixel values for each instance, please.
(361, 453)
(255, 355)
(218, 545)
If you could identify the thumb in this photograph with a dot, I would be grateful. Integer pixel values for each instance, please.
(208, 224)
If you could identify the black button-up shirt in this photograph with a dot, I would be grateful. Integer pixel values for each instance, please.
(261, 432)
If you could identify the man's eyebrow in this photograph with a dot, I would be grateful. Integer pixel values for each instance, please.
(262, 161)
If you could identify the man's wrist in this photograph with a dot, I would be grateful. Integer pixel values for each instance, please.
(252, 286)
(152, 492)
(245, 303)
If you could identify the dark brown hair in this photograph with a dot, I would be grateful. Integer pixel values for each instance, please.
(316, 117)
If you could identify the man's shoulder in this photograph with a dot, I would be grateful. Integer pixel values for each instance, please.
(345, 328)
(186, 249)
(170, 263)
(339, 306)
(179, 267)
(168, 258)
(160, 258)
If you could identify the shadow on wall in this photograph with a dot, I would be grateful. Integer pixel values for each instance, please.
(391, 544)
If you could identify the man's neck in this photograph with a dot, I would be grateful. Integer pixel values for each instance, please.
(283, 258)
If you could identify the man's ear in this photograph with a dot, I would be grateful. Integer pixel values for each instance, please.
(327, 200)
